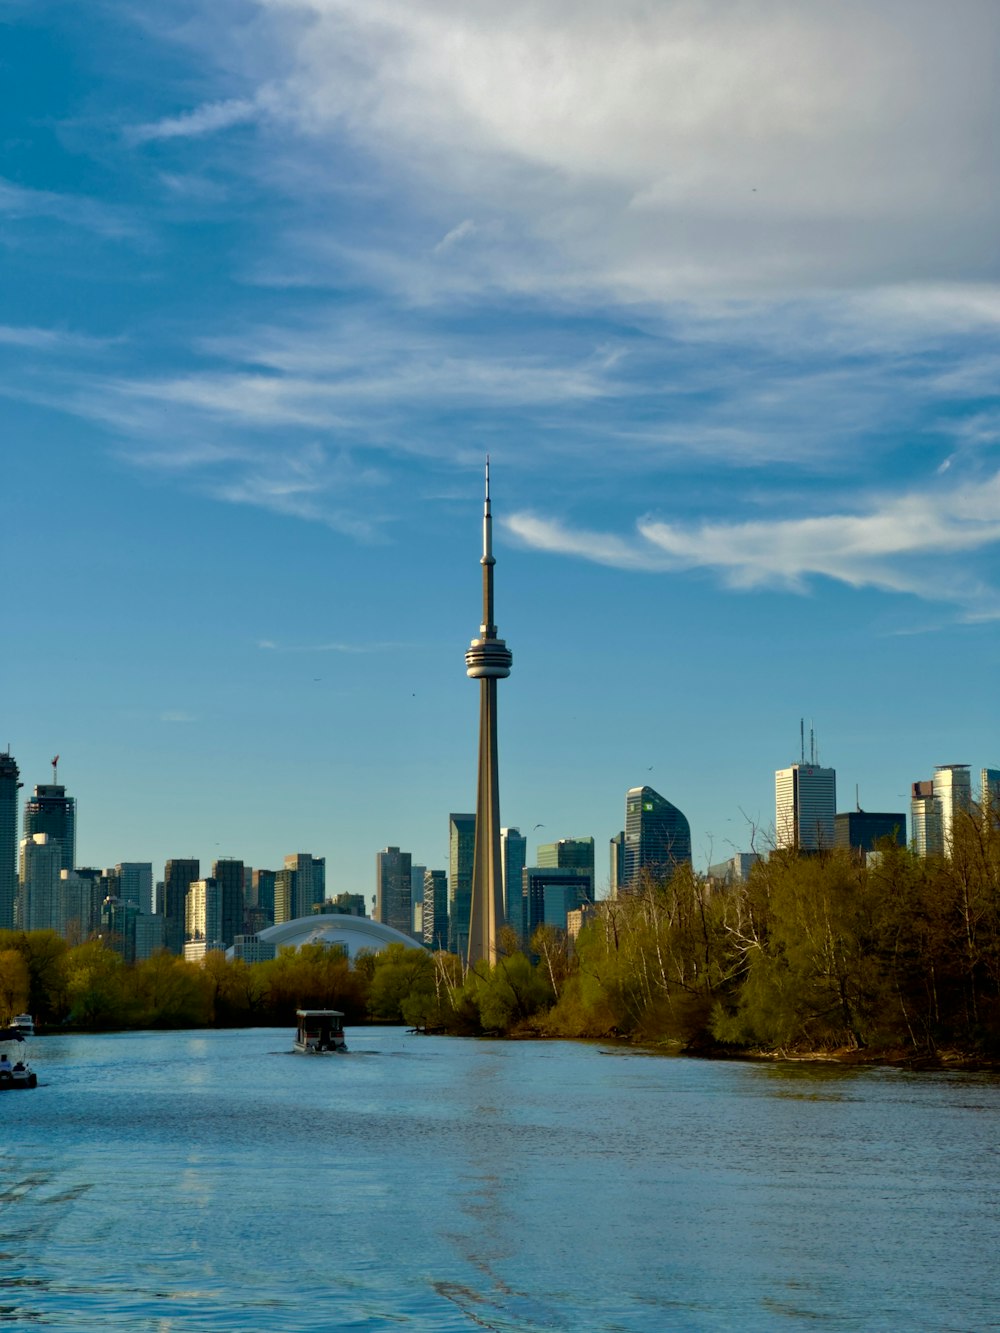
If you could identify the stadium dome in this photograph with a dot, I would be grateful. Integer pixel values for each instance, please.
(354, 933)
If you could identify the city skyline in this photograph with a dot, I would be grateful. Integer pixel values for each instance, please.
(269, 302)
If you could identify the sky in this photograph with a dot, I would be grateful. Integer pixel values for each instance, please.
(715, 285)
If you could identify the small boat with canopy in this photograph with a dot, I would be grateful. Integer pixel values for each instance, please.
(15, 1072)
(320, 1031)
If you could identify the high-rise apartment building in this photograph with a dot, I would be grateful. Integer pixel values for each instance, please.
(203, 915)
(262, 892)
(657, 836)
(435, 917)
(461, 850)
(178, 876)
(81, 896)
(513, 859)
(310, 882)
(38, 901)
(393, 883)
(286, 895)
(9, 786)
(227, 872)
(51, 811)
(805, 802)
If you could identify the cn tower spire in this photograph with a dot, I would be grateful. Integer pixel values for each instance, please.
(487, 660)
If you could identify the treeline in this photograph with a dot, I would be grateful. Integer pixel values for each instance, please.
(813, 953)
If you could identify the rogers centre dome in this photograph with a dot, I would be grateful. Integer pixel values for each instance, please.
(354, 933)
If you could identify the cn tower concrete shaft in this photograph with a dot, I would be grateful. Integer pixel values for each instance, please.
(487, 660)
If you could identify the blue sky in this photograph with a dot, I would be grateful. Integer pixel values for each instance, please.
(717, 286)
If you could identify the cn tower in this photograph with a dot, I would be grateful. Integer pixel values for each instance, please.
(487, 660)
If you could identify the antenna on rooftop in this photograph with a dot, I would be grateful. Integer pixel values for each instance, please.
(802, 740)
(55, 770)
(812, 743)
(857, 797)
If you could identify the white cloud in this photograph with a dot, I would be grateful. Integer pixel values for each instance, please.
(209, 118)
(899, 544)
(78, 211)
(673, 148)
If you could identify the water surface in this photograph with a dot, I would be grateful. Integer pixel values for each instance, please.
(214, 1181)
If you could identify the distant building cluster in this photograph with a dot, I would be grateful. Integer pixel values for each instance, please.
(189, 913)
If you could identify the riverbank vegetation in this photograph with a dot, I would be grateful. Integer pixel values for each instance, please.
(898, 957)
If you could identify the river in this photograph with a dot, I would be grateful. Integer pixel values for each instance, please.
(215, 1181)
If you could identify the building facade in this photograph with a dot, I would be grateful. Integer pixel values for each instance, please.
(435, 916)
(51, 811)
(135, 883)
(178, 876)
(549, 894)
(461, 850)
(38, 899)
(805, 802)
(569, 854)
(393, 885)
(10, 785)
(657, 836)
(862, 830)
(513, 859)
(227, 872)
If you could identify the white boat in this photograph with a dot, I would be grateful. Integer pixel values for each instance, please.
(15, 1073)
(26, 1024)
(320, 1032)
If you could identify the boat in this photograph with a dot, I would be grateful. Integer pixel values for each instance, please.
(320, 1032)
(26, 1024)
(15, 1074)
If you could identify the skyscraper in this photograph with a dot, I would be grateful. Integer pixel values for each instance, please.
(549, 893)
(953, 789)
(461, 851)
(178, 876)
(310, 882)
(9, 787)
(38, 903)
(435, 918)
(989, 795)
(513, 859)
(569, 854)
(227, 872)
(616, 868)
(487, 660)
(805, 802)
(393, 886)
(657, 836)
(135, 884)
(51, 811)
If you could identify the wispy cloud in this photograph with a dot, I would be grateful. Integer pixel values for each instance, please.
(18, 201)
(209, 118)
(898, 544)
(178, 715)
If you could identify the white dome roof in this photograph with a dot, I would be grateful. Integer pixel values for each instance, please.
(352, 932)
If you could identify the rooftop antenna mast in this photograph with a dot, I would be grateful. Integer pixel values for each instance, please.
(802, 740)
(857, 797)
(55, 770)
(812, 744)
